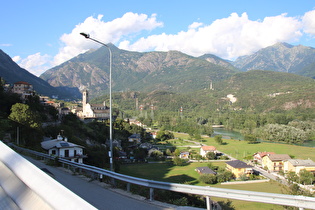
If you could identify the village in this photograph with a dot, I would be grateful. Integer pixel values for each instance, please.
(266, 163)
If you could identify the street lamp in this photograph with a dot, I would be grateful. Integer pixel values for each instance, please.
(110, 99)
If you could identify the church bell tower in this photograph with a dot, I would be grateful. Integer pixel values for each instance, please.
(85, 97)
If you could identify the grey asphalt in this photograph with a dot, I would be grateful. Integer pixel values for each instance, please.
(96, 194)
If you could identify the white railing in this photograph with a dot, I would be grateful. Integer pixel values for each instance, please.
(271, 198)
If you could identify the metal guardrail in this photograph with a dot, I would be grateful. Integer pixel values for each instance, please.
(271, 198)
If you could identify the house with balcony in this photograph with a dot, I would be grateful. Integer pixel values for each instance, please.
(24, 89)
(274, 162)
(61, 148)
(259, 156)
(239, 168)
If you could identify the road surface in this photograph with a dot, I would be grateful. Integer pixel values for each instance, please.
(96, 195)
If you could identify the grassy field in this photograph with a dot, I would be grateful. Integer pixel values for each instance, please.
(240, 149)
(235, 148)
(188, 175)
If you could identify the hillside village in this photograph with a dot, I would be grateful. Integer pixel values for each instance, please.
(264, 163)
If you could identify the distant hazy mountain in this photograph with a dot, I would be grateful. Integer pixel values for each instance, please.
(280, 57)
(135, 71)
(12, 73)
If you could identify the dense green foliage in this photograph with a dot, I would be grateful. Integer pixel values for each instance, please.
(262, 98)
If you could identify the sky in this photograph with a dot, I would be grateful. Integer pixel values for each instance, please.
(41, 34)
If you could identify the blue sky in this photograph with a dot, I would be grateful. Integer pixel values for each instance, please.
(40, 34)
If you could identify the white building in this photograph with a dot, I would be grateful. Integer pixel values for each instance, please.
(205, 149)
(63, 149)
(92, 111)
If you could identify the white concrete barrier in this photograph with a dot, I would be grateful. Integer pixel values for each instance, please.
(27, 187)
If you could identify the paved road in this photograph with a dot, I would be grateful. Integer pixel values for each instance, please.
(97, 195)
(270, 176)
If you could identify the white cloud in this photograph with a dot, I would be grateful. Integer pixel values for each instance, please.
(5, 45)
(116, 30)
(35, 64)
(16, 58)
(309, 22)
(195, 25)
(228, 37)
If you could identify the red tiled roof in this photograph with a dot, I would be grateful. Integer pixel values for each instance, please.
(262, 154)
(21, 82)
(209, 148)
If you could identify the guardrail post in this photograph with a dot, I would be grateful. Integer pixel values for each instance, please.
(151, 194)
(128, 187)
(209, 206)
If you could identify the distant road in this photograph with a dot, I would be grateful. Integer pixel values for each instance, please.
(97, 195)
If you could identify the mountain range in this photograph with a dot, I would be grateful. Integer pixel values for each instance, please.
(11, 73)
(171, 71)
(281, 57)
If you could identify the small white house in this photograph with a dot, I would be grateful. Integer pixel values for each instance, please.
(205, 149)
(184, 155)
(63, 149)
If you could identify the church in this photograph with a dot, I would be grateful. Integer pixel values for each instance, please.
(92, 111)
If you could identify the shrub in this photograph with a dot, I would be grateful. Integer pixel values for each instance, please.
(178, 161)
(208, 178)
(181, 201)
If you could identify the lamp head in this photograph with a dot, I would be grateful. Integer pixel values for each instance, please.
(85, 35)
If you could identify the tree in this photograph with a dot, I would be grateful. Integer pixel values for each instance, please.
(211, 156)
(140, 153)
(176, 152)
(29, 123)
(224, 176)
(178, 161)
(22, 114)
(208, 178)
(251, 139)
(306, 177)
(168, 152)
(157, 155)
(212, 167)
(164, 135)
(218, 139)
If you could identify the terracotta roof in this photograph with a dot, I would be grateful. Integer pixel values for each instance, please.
(21, 82)
(238, 164)
(262, 154)
(209, 148)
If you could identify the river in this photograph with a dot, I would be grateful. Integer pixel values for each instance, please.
(228, 134)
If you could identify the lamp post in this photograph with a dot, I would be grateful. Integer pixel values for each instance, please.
(110, 99)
